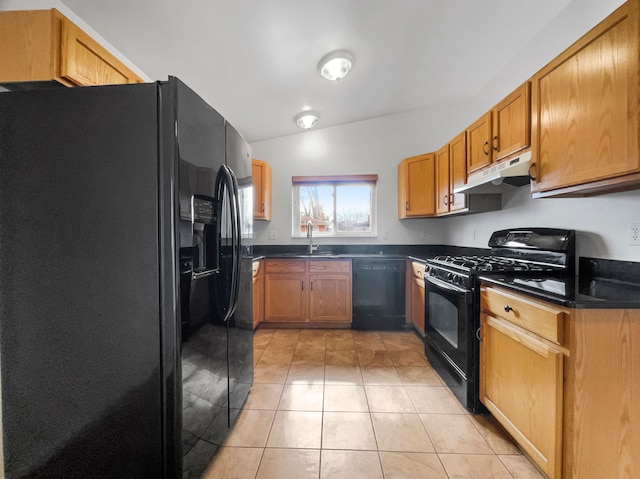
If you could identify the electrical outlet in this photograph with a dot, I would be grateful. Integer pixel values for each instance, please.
(273, 235)
(634, 234)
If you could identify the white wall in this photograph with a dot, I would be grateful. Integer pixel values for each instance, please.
(377, 145)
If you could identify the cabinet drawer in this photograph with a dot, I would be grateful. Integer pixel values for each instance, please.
(285, 266)
(539, 318)
(329, 266)
(418, 269)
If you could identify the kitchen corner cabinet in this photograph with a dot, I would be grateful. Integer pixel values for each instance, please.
(261, 178)
(585, 133)
(562, 382)
(416, 187)
(451, 172)
(44, 45)
(314, 292)
(502, 132)
(415, 293)
(258, 292)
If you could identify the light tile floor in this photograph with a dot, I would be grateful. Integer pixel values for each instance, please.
(349, 404)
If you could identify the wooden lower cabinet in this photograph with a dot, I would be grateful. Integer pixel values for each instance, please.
(258, 292)
(415, 295)
(307, 291)
(563, 382)
(521, 386)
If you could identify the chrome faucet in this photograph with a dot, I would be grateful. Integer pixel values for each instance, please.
(310, 236)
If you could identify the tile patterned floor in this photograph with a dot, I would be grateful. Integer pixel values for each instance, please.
(331, 404)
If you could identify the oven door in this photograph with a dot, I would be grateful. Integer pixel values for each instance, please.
(449, 345)
(447, 316)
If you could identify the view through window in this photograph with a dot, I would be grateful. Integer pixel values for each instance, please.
(335, 205)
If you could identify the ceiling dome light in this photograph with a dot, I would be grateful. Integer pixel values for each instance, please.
(334, 66)
(306, 119)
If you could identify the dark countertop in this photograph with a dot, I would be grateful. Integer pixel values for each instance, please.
(601, 284)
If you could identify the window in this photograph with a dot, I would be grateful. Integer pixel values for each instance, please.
(335, 205)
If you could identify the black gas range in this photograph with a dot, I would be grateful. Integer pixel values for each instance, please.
(452, 309)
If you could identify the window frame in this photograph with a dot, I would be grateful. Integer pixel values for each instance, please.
(333, 180)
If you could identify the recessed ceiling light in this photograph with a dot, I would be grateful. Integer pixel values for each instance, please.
(334, 66)
(306, 119)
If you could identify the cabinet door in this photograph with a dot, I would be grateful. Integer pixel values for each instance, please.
(511, 127)
(521, 385)
(586, 107)
(457, 171)
(330, 297)
(442, 180)
(416, 187)
(478, 148)
(87, 63)
(261, 177)
(285, 298)
(417, 304)
(258, 293)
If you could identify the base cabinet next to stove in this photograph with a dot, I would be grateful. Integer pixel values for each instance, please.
(521, 373)
(562, 381)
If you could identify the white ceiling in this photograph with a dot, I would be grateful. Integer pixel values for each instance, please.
(255, 61)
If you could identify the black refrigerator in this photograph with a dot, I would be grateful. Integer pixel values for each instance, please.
(126, 338)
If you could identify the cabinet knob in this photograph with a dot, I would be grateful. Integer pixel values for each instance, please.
(507, 308)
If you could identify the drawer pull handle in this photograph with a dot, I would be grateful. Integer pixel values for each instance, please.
(507, 308)
(478, 333)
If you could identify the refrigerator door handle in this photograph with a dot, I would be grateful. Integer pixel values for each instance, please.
(236, 240)
(227, 189)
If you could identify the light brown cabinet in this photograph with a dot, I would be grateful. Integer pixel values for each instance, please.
(585, 133)
(562, 382)
(307, 291)
(521, 375)
(415, 295)
(502, 132)
(261, 178)
(416, 187)
(258, 292)
(451, 172)
(44, 45)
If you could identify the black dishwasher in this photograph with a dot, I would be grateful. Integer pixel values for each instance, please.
(378, 293)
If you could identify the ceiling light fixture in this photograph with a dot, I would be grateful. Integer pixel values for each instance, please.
(306, 119)
(334, 66)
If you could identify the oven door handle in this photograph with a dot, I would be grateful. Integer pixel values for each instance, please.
(444, 285)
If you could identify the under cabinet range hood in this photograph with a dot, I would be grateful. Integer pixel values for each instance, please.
(500, 177)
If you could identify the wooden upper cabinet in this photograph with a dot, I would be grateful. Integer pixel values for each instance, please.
(442, 180)
(478, 148)
(451, 172)
(502, 132)
(416, 186)
(457, 171)
(44, 45)
(511, 124)
(261, 177)
(585, 133)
